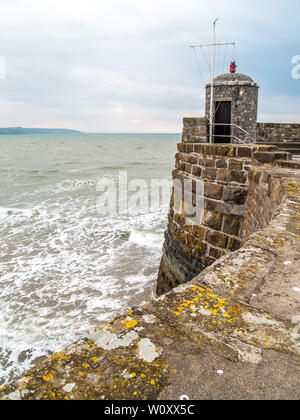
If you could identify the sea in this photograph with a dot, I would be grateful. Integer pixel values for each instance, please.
(66, 267)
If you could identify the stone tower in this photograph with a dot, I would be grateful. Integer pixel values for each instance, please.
(234, 108)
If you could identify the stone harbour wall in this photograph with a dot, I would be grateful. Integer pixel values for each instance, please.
(241, 196)
(195, 130)
(278, 133)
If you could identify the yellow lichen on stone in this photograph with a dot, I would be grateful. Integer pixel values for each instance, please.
(48, 378)
(131, 324)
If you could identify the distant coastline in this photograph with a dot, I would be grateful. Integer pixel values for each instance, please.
(22, 130)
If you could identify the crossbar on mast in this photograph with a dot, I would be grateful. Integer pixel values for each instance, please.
(214, 45)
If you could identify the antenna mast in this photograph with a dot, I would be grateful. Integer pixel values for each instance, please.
(214, 44)
(212, 84)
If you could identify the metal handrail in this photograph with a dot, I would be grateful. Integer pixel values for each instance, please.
(240, 128)
(231, 136)
(234, 125)
(240, 140)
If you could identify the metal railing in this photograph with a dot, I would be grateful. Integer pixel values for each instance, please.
(231, 136)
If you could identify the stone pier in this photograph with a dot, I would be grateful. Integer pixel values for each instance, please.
(241, 195)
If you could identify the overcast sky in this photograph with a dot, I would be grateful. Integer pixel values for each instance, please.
(126, 65)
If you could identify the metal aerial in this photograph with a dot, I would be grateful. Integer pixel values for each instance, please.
(212, 71)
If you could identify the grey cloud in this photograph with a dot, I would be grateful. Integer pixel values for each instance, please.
(89, 58)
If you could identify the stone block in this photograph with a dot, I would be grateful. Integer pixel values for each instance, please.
(223, 175)
(189, 148)
(199, 148)
(193, 160)
(264, 157)
(235, 195)
(199, 232)
(207, 261)
(221, 163)
(235, 164)
(210, 205)
(213, 191)
(215, 253)
(200, 247)
(188, 168)
(201, 161)
(224, 150)
(254, 176)
(213, 220)
(217, 238)
(209, 173)
(222, 207)
(232, 225)
(204, 149)
(234, 244)
(181, 147)
(197, 170)
(244, 151)
(238, 176)
(184, 157)
(210, 163)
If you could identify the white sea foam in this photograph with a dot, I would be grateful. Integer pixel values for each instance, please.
(146, 238)
(12, 212)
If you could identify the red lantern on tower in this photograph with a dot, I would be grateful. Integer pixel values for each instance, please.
(233, 67)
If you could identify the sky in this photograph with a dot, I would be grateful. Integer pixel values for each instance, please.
(127, 65)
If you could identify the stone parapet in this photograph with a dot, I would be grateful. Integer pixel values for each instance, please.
(194, 130)
(277, 133)
(240, 196)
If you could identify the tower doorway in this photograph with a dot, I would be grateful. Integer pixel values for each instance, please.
(222, 133)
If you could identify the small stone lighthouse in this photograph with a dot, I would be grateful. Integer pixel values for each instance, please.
(234, 108)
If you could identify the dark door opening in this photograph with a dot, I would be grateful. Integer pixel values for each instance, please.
(222, 133)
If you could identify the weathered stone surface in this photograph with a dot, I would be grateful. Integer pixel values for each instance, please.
(221, 163)
(213, 220)
(194, 130)
(241, 200)
(235, 195)
(238, 176)
(216, 238)
(197, 171)
(209, 173)
(213, 191)
(236, 164)
(232, 225)
(244, 152)
(276, 132)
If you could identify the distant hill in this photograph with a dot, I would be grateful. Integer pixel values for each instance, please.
(21, 130)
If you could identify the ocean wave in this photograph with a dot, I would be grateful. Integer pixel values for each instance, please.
(11, 211)
(146, 238)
